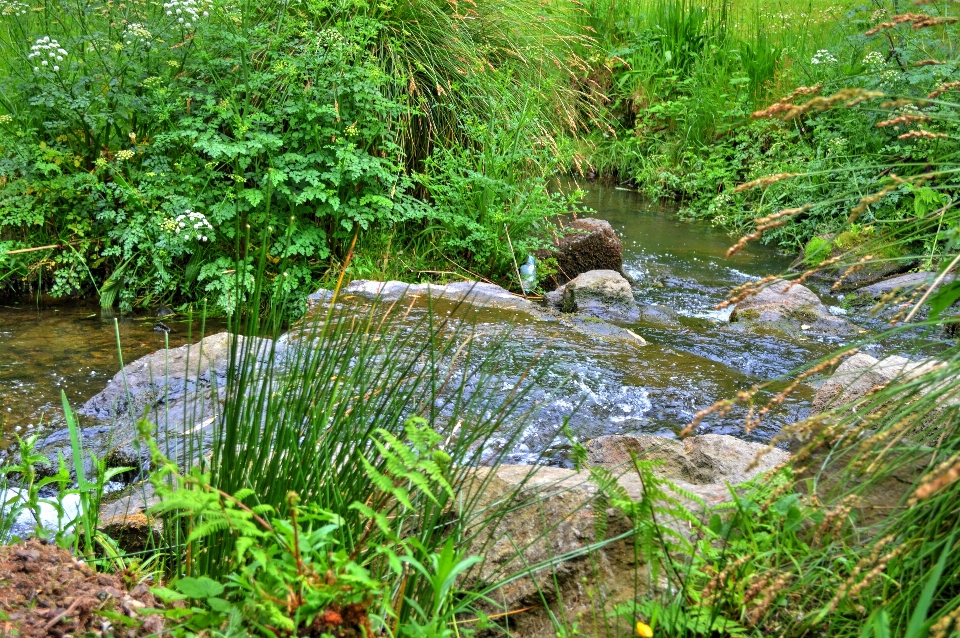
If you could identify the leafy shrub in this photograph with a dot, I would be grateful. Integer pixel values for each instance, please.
(299, 126)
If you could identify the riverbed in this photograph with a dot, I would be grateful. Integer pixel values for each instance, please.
(686, 366)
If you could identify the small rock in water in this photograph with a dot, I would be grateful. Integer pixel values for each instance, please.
(164, 311)
(162, 327)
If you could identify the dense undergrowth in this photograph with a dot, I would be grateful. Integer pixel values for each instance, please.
(139, 142)
(690, 88)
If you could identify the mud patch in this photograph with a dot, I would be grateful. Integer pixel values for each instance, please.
(45, 591)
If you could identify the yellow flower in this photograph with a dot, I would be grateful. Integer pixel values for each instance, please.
(644, 630)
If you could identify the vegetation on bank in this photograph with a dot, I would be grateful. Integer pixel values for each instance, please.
(140, 142)
(708, 99)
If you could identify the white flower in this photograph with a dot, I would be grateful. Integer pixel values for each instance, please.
(188, 12)
(823, 56)
(13, 8)
(50, 47)
(874, 59)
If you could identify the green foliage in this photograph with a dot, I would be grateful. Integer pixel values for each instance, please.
(145, 150)
(836, 156)
(491, 194)
(294, 573)
(816, 250)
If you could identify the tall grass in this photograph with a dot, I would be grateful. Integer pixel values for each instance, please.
(860, 534)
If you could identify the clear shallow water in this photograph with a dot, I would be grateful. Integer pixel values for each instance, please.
(71, 348)
(654, 389)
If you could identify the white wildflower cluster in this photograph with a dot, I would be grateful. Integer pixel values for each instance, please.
(837, 145)
(889, 78)
(13, 8)
(6, 119)
(187, 12)
(874, 60)
(135, 32)
(189, 225)
(125, 155)
(823, 56)
(47, 52)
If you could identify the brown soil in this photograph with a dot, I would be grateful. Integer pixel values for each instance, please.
(45, 591)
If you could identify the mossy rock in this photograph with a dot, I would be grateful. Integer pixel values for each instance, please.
(851, 245)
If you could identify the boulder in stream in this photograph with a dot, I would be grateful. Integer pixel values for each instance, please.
(554, 516)
(586, 244)
(860, 374)
(604, 294)
(792, 309)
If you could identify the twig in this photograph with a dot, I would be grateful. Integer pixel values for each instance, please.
(32, 250)
(60, 616)
(516, 268)
(936, 282)
(480, 277)
(500, 615)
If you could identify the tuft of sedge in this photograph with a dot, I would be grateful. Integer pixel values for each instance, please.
(917, 20)
(770, 593)
(946, 474)
(942, 628)
(943, 88)
(846, 97)
(921, 133)
(873, 560)
(906, 118)
(764, 182)
(644, 630)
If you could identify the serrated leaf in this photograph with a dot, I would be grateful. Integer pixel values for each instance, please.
(202, 587)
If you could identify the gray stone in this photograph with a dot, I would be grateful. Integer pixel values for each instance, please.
(823, 465)
(859, 374)
(470, 292)
(705, 459)
(126, 520)
(173, 389)
(903, 283)
(604, 294)
(584, 245)
(658, 315)
(163, 377)
(792, 309)
(551, 523)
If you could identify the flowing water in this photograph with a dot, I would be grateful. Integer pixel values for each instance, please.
(653, 389)
(70, 348)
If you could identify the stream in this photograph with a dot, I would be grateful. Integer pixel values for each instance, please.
(654, 389)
